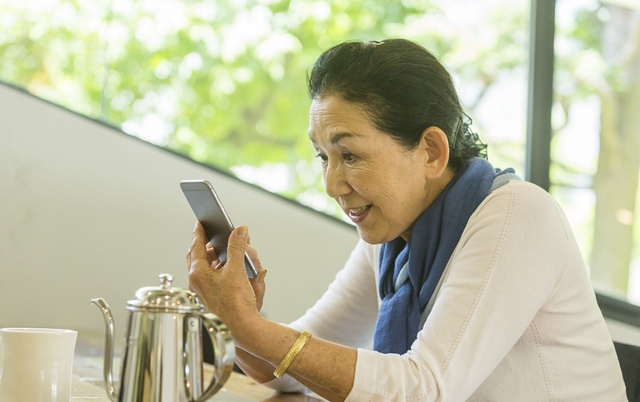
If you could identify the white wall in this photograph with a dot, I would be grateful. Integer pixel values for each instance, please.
(623, 332)
(87, 211)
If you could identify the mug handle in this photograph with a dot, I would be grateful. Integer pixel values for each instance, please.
(225, 353)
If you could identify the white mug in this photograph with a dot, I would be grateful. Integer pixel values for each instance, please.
(35, 364)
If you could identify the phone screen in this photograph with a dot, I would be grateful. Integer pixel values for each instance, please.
(209, 210)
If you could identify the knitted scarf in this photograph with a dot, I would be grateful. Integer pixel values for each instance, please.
(433, 238)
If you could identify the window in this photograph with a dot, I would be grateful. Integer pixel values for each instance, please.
(596, 142)
(224, 82)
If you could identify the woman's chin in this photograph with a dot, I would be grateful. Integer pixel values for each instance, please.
(372, 237)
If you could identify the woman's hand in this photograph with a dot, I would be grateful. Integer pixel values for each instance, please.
(224, 289)
(257, 283)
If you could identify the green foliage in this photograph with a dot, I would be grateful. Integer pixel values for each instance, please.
(44, 54)
(224, 82)
(587, 30)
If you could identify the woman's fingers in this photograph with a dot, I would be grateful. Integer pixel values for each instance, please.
(197, 257)
(259, 288)
(236, 247)
(197, 250)
(223, 290)
(213, 256)
(257, 283)
(198, 238)
(261, 275)
(257, 263)
(258, 280)
(254, 257)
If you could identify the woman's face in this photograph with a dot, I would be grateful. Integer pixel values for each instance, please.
(382, 187)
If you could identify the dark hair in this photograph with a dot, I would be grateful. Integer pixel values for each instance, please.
(402, 87)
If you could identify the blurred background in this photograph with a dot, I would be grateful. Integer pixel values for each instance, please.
(224, 83)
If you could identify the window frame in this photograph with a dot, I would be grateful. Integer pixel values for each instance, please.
(539, 133)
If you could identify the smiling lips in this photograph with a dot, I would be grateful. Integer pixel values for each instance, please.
(358, 214)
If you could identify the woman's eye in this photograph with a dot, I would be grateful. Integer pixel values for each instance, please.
(322, 157)
(348, 157)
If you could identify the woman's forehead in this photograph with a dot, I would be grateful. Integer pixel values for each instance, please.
(331, 115)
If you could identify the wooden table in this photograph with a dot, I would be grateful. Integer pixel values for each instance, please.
(88, 385)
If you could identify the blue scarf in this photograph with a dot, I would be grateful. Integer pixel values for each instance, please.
(433, 238)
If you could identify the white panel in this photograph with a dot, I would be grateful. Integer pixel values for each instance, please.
(87, 211)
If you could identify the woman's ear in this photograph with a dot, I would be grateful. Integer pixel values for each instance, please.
(436, 145)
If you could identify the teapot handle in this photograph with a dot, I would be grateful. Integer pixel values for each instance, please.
(224, 350)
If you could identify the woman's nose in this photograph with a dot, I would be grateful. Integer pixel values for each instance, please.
(335, 182)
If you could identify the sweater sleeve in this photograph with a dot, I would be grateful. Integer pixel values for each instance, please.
(346, 313)
(505, 267)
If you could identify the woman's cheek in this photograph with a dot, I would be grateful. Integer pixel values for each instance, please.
(363, 180)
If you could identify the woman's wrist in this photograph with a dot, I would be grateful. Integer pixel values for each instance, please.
(258, 369)
(246, 327)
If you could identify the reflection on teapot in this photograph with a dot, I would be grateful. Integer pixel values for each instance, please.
(163, 357)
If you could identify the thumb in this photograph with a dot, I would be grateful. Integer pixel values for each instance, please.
(237, 244)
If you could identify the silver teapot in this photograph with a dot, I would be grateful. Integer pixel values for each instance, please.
(162, 361)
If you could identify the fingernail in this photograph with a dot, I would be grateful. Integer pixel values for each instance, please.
(243, 232)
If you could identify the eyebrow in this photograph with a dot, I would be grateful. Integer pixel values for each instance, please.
(337, 137)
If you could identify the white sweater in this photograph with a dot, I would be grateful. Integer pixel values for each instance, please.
(514, 317)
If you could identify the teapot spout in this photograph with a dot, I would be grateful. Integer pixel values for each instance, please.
(108, 348)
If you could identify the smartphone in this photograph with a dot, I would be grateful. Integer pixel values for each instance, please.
(209, 210)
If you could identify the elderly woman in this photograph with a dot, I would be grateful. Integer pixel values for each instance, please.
(469, 282)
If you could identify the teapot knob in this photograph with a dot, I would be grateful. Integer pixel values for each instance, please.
(165, 280)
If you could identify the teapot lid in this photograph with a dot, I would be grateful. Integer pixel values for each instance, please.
(164, 298)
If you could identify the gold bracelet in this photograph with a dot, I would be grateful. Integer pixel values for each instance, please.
(291, 354)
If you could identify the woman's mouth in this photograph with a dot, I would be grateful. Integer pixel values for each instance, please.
(357, 215)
